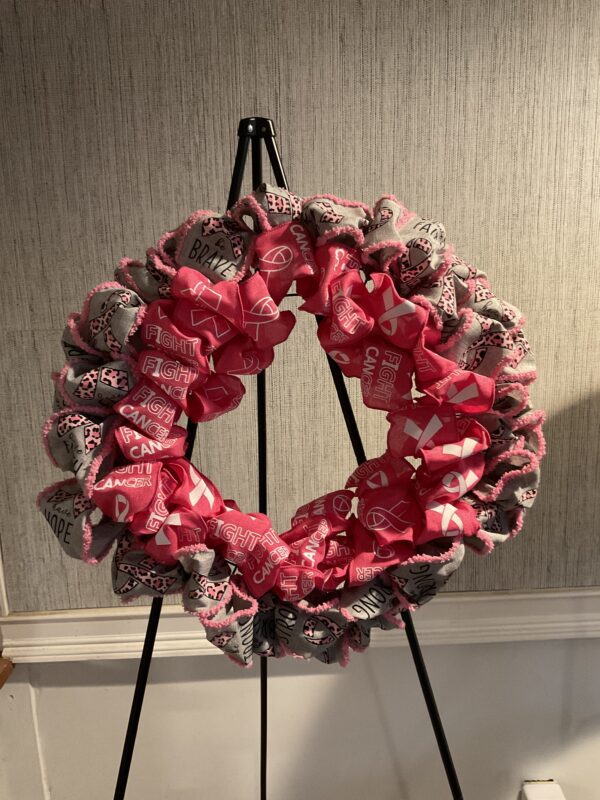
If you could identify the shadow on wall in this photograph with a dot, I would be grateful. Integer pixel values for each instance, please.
(572, 475)
(559, 541)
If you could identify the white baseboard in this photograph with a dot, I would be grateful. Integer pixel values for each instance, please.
(453, 618)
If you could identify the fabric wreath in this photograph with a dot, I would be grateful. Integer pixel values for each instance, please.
(421, 329)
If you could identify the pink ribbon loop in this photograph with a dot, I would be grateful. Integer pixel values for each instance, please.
(217, 395)
(467, 392)
(332, 260)
(159, 332)
(222, 298)
(149, 409)
(398, 320)
(390, 515)
(173, 377)
(165, 503)
(348, 322)
(285, 254)
(386, 376)
(381, 472)
(136, 447)
(241, 356)
(334, 506)
(262, 321)
(420, 426)
(451, 483)
(213, 330)
(372, 557)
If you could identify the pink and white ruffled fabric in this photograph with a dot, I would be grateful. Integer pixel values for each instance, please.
(433, 348)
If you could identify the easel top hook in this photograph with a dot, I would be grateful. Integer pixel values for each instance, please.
(256, 127)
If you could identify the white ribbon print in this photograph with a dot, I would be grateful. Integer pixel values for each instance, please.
(388, 321)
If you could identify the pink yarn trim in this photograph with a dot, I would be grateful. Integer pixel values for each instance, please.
(448, 260)
(425, 303)
(99, 288)
(502, 390)
(518, 524)
(191, 549)
(87, 544)
(238, 583)
(515, 376)
(502, 457)
(123, 270)
(404, 602)
(404, 217)
(328, 605)
(73, 326)
(108, 446)
(348, 230)
(345, 654)
(424, 558)
(519, 377)
(399, 249)
(206, 613)
(465, 320)
(139, 318)
(83, 410)
(46, 428)
(340, 202)
(495, 492)
(230, 618)
(180, 233)
(165, 266)
(248, 261)
(531, 419)
(243, 208)
(51, 488)
(391, 616)
(60, 378)
(347, 615)
(483, 537)
(167, 237)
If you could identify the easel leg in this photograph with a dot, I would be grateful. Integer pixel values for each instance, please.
(261, 405)
(263, 727)
(138, 698)
(257, 130)
(262, 130)
(411, 634)
(434, 715)
(246, 134)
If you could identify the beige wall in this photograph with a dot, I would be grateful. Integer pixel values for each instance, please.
(119, 118)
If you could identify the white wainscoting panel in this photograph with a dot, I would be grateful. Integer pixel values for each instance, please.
(511, 710)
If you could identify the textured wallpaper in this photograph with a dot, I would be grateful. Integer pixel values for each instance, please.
(119, 118)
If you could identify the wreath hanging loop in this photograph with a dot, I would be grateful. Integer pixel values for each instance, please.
(422, 331)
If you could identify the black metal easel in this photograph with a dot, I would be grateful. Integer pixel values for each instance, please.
(255, 130)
